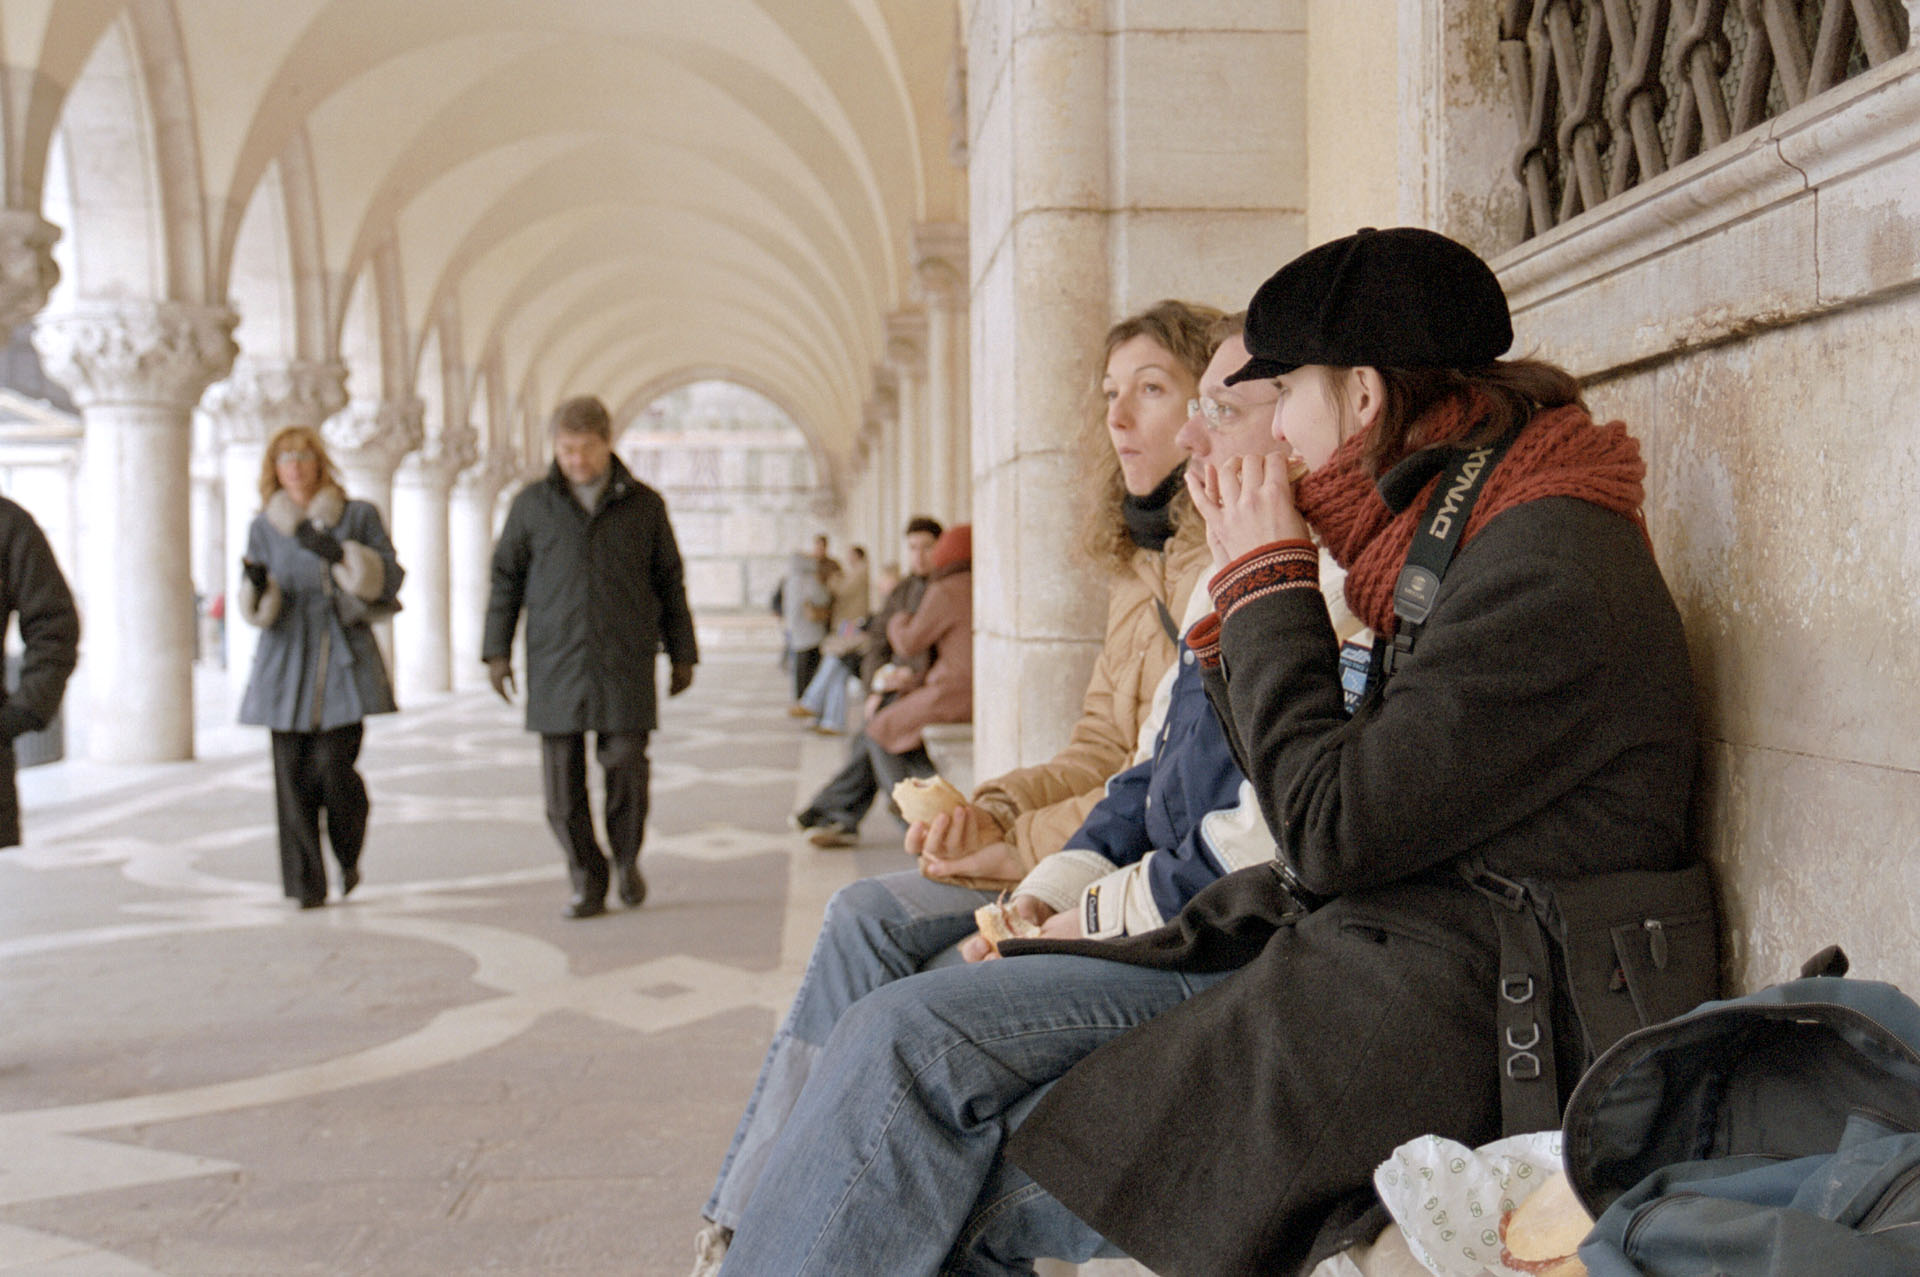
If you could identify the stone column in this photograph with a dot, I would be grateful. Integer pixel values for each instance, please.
(907, 355)
(207, 524)
(1088, 201)
(866, 501)
(470, 558)
(882, 413)
(258, 399)
(27, 269)
(941, 284)
(136, 370)
(423, 641)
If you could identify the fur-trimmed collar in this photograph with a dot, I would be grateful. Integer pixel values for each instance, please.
(285, 514)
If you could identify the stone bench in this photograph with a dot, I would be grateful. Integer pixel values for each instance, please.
(950, 746)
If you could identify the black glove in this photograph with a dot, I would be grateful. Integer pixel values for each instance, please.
(681, 678)
(256, 574)
(320, 541)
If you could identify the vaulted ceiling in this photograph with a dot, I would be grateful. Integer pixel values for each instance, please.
(606, 196)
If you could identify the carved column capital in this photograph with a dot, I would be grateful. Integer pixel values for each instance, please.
(883, 408)
(442, 458)
(907, 342)
(27, 269)
(137, 352)
(259, 398)
(375, 433)
(940, 263)
(492, 471)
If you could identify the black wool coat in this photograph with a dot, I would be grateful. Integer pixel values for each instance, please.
(31, 585)
(1545, 722)
(603, 592)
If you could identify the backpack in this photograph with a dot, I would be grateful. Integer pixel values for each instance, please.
(1770, 1135)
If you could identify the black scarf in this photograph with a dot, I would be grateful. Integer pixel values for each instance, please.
(1149, 519)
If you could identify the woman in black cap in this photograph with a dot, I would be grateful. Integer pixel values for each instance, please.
(1533, 725)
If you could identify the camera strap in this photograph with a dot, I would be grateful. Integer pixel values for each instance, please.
(1435, 540)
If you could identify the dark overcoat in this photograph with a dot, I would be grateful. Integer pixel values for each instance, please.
(1546, 723)
(32, 586)
(603, 593)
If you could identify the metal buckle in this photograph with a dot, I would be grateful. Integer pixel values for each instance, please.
(1510, 983)
(1531, 1042)
(1523, 1066)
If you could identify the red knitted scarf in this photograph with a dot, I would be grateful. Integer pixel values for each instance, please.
(1562, 452)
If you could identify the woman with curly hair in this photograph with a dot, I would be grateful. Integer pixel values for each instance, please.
(318, 568)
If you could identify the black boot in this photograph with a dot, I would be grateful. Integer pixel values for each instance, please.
(633, 887)
(590, 889)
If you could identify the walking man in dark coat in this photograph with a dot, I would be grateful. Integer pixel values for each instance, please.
(31, 585)
(589, 554)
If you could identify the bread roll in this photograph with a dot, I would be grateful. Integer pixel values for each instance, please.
(921, 799)
(997, 923)
(1542, 1234)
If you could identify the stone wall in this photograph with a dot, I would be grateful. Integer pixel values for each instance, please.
(1753, 314)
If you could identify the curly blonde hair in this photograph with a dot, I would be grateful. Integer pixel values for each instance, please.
(1184, 330)
(291, 437)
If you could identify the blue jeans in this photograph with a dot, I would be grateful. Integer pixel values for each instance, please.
(890, 1161)
(826, 695)
(876, 930)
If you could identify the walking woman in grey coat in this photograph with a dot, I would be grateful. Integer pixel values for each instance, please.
(317, 570)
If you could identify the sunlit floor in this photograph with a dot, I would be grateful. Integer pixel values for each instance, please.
(440, 1075)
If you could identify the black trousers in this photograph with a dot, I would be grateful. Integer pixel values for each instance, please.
(313, 772)
(806, 663)
(627, 774)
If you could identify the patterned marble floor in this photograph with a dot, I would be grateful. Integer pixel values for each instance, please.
(440, 1075)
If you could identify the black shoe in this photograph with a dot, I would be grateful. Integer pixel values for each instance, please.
(349, 879)
(803, 820)
(312, 902)
(585, 907)
(633, 887)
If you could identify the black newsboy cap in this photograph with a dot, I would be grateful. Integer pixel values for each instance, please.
(1399, 298)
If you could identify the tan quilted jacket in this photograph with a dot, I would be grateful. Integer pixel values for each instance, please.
(1042, 805)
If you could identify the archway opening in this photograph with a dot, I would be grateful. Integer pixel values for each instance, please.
(743, 489)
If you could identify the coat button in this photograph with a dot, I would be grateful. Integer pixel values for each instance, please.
(1186, 656)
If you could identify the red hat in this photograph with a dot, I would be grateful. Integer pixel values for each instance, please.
(954, 548)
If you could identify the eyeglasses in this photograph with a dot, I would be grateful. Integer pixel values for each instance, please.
(294, 456)
(1224, 416)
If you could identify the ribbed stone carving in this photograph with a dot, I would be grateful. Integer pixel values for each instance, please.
(259, 398)
(27, 269)
(491, 471)
(137, 351)
(443, 456)
(376, 431)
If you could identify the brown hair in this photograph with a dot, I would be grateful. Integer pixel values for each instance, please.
(291, 437)
(1226, 328)
(583, 414)
(1185, 331)
(1513, 390)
